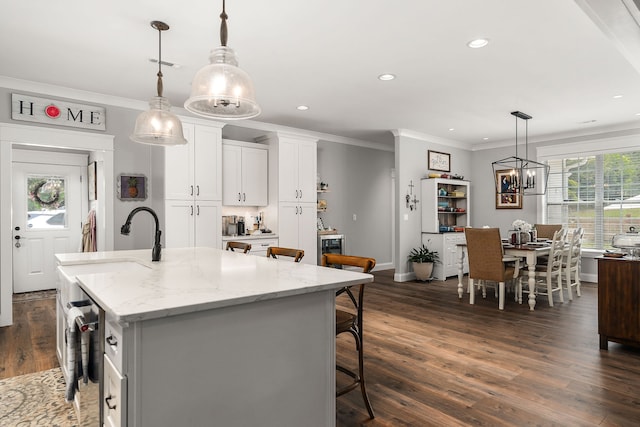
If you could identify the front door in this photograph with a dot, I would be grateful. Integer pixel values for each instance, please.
(46, 220)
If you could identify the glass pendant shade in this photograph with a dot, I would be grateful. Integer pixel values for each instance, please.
(222, 90)
(158, 126)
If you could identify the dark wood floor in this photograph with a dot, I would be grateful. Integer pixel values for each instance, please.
(29, 345)
(432, 360)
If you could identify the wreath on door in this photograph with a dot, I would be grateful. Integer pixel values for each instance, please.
(46, 193)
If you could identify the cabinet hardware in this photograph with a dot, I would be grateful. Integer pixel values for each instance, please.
(191, 190)
(198, 210)
(111, 340)
(244, 197)
(297, 194)
(197, 190)
(108, 402)
(239, 197)
(191, 210)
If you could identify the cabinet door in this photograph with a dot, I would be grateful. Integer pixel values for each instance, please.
(308, 232)
(254, 177)
(288, 225)
(179, 224)
(288, 171)
(231, 175)
(115, 396)
(179, 167)
(207, 224)
(307, 172)
(208, 163)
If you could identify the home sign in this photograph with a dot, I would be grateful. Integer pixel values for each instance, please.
(58, 113)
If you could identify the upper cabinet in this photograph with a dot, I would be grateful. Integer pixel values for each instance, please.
(194, 170)
(297, 171)
(445, 205)
(244, 174)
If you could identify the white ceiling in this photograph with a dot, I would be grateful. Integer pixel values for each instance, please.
(547, 58)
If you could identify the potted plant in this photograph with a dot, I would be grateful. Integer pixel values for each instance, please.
(423, 259)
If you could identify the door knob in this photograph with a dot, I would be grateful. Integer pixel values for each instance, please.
(17, 241)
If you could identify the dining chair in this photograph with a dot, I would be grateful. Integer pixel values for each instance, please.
(545, 231)
(275, 252)
(548, 276)
(571, 262)
(350, 320)
(241, 246)
(487, 263)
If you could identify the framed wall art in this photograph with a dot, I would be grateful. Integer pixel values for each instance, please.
(508, 197)
(439, 161)
(132, 187)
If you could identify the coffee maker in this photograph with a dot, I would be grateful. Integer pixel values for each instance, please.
(230, 225)
(240, 226)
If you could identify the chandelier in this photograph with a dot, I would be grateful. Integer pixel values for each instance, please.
(222, 90)
(158, 126)
(520, 175)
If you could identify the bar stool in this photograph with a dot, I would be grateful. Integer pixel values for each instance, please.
(351, 322)
(275, 252)
(244, 247)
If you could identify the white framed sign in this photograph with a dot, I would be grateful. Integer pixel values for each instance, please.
(57, 113)
(439, 161)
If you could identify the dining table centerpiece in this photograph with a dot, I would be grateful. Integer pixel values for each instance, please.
(521, 232)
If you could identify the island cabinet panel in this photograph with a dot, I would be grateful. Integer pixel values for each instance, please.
(618, 301)
(268, 363)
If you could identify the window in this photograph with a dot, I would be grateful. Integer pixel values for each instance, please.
(45, 202)
(600, 193)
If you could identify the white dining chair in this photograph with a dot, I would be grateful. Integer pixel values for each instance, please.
(571, 262)
(548, 276)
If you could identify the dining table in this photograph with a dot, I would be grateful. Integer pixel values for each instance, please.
(529, 251)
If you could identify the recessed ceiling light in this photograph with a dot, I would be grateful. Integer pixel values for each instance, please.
(386, 77)
(617, 96)
(486, 138)
(637, 114)
(302, 107)
(586, 122)
(478, 43)
(451, 129)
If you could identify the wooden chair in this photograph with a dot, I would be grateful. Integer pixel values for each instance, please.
(487, 263)
(545, 231)
(571, 262)
(351, 321)
(550, 274)
(275, 252)
(244, 247)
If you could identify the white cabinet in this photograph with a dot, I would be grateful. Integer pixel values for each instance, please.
(115, 396)
(192, 188)
(192, 223)
(244, 175)
(295, 220)
(446, 244)
(297, 171)
(292, 180)
(194, 170)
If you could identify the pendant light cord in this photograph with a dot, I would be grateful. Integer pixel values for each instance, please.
(160, 86)
(223, 26)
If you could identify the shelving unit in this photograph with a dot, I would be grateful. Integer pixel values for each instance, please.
(322, 208)
(445, 214)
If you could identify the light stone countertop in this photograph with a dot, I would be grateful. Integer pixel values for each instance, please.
(194, 279)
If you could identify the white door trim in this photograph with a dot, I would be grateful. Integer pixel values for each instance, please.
(100, 148)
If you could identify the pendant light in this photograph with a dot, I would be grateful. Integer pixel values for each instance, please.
(526, 177)
(158, 126)
(222, 90)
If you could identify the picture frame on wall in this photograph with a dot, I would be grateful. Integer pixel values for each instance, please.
(507, 197)
(91, 181)
(132, 187)
(439, 161)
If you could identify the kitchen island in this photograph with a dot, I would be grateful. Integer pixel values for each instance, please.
(212, 337)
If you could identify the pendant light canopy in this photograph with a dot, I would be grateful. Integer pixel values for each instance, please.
(158, 126)
(523, 176)
(222, 90)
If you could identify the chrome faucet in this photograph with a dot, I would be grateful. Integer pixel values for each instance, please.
(126, 228)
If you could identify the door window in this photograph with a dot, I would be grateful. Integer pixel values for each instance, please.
(45, 202)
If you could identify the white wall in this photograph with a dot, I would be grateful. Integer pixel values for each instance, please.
(411, 165)
(360, 184)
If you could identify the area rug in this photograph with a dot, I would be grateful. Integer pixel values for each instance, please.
(35, 400)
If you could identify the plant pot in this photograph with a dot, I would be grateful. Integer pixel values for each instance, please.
(423, 270)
